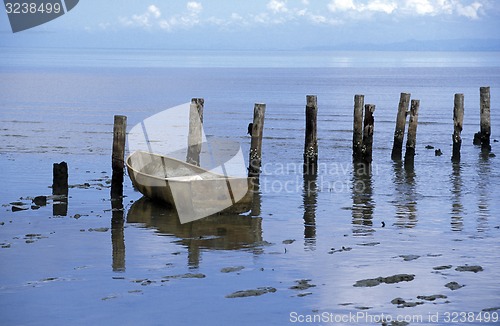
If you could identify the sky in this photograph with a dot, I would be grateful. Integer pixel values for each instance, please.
(269, 24)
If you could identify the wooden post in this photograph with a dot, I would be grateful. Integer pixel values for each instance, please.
(412, 132)
(60, 188)
(118, 156)
(255, 159)
(397, 148)
(311, 137)
(485, 118)
(195, 136)
(357, 135)
(368, 133)
(458, 120)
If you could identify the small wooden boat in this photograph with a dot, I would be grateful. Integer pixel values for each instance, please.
(192, 190)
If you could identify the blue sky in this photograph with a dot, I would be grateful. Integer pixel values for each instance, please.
(263, 24)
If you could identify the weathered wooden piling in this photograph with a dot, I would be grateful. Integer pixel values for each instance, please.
(60, 188)
(118, 156)
(255, 159)
(397, 148)
(357, 135)
(195, 131)
(311, 136)
(368, 133)
(485, 121)
(60, 179)
(458, 120)
(412, 132)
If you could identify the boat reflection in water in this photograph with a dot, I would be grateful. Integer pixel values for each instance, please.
(216, 232)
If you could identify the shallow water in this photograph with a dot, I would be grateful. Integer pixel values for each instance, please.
(346, 225)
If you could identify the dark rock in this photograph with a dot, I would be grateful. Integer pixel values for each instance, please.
(453, 286)
(431, 297)
(440, 268)
(398, 301)
(302, 285)
(438, 152)
(409, 257)
(251, 293)
(16, 208)
(40, 200)
(231, 269)
(468, 268)
(429, 147)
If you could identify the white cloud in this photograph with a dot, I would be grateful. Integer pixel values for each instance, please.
(381, 6)
(421, 7)
(341, 5)
(194, 7)
(277, 6)
(471, 11)
(154, 11)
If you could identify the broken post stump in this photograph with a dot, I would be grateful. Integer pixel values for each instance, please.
(255, 159)
(412, 132)
(118, 156)
(311, 136)
(368, 133)
(397, 148)
(195, 135)
(458, 120)
(485, 121)
(357, 135)
(60, 179)
(60, 188)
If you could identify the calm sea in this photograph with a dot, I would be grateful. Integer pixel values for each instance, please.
(310, 244)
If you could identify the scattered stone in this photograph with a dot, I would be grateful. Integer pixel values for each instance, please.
(232, 269)
(453, 286)
(429, 147)
(77, 216)
(251, 293)
(40, 200)
(16, 208)
(468, 268)
(99, 230)
(187, 275)
(302, 285)
(388, 280)
(332, 251)
(362, 307)
(369, 244)
(491, 309)
(290, 241)
(431, 297)
(395, 323)
(438, 152)
(398, 301)
(300, 295)
(443, 267)
(35, 207)
(109, 297)
(409, 257)
(5, 245)
(492, 155)
(410, 304)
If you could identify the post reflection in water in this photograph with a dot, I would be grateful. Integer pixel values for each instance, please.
(362, 200)
(406, 195)
(483, 204)
(117, 234)
(457, 207)
(310, 197)
(215, 232)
